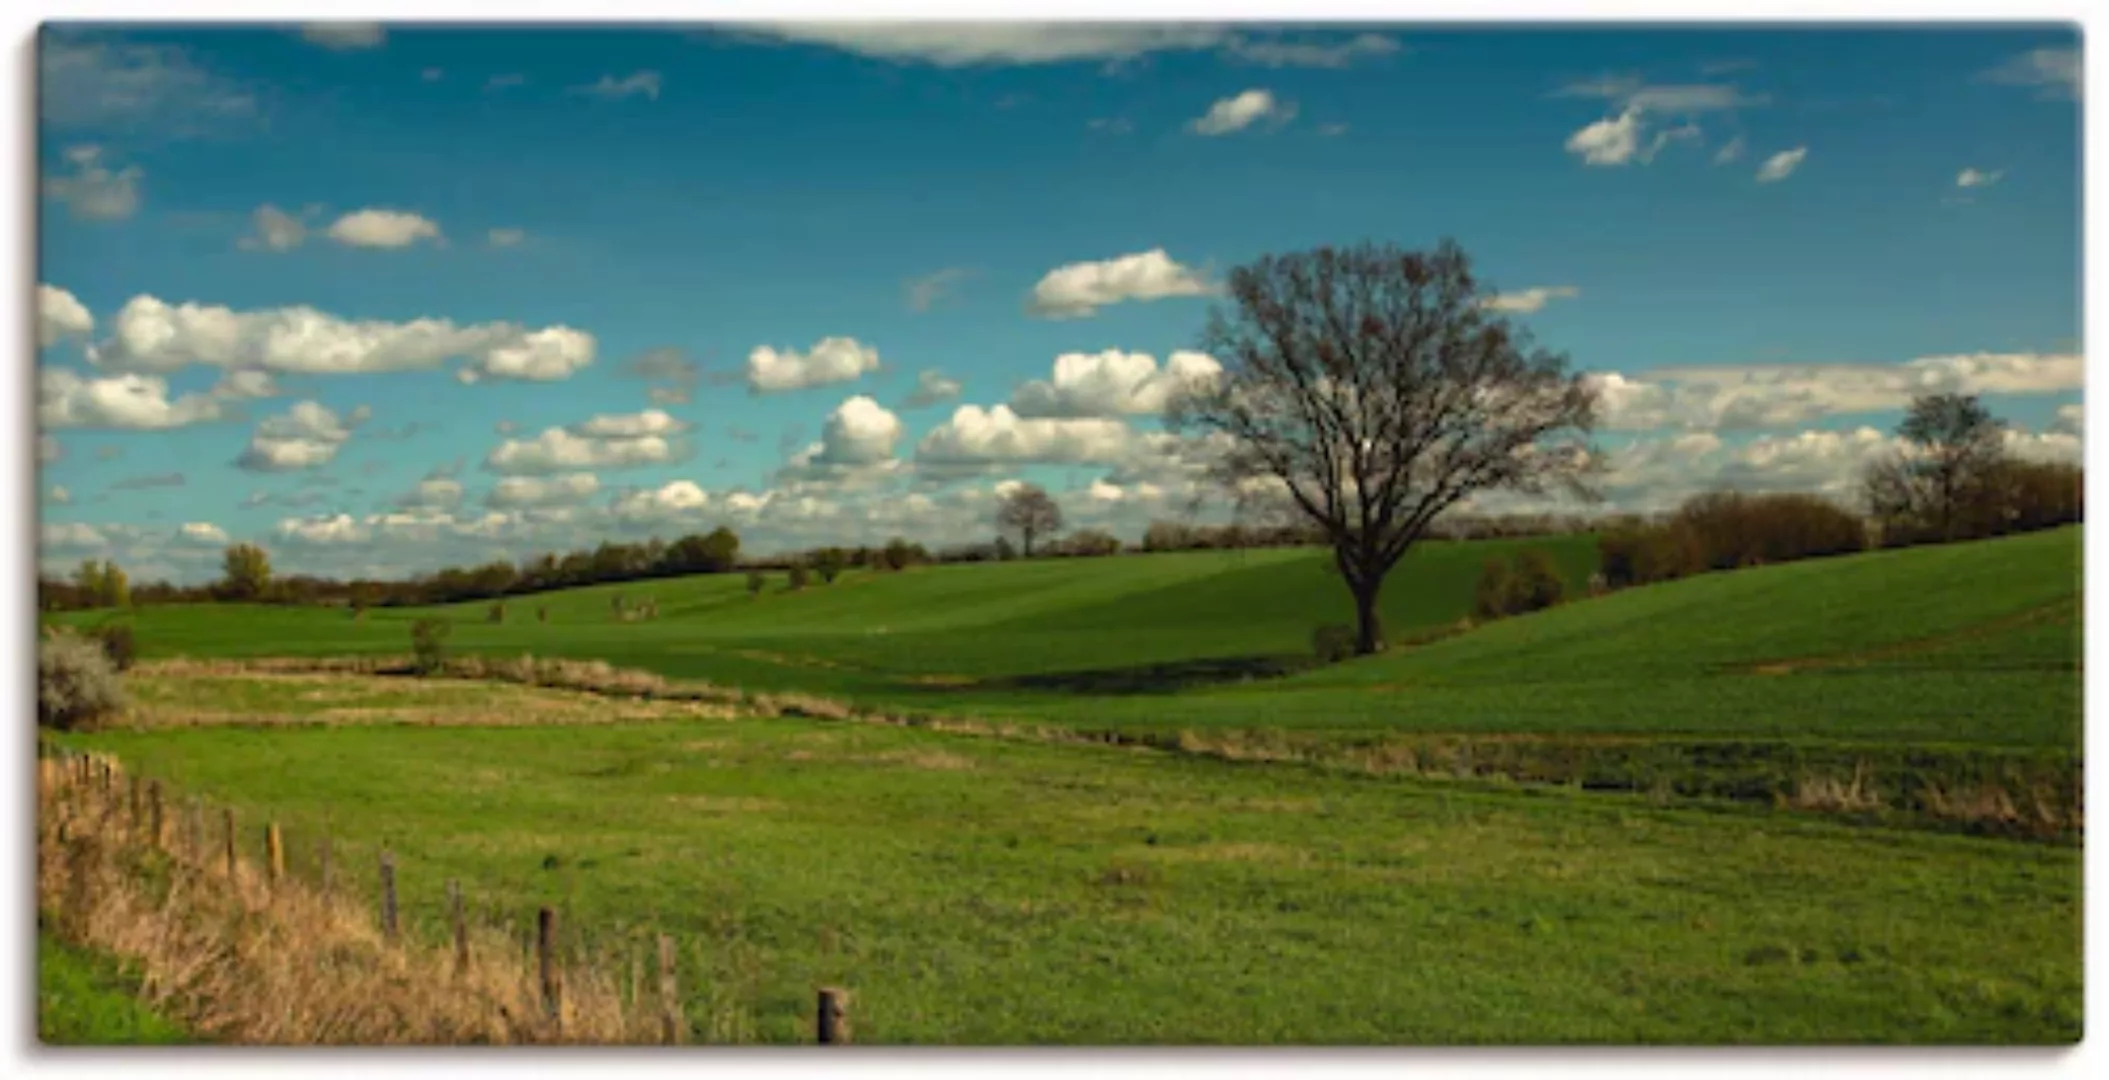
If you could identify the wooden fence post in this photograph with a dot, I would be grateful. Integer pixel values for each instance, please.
(228, 820)
(834, 1016)
(153, 803)
(275, 852)
(461, 929)
(388, 895)
(136, 810)
(545, 955)
(670, 1025)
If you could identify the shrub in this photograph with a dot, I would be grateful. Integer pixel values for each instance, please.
(117, 644)
(799, 576)
(1090, 544)
(1640, 554)
(542, 614)
(1496, 582)
(1735, 530)
(1536, 584)
(1333, 643)
(2036, 495)
(497, 614)
(831, 562)
(76, 683)
(756, 581)
(900, 554)
(428, 640)
(1618, 556)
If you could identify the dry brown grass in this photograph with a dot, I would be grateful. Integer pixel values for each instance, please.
(1832, 794)
(247, 961)
(1987, 804)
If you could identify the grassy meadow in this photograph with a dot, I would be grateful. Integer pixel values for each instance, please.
(980, 891)
(87, 998)
(990, 890)
(1948, 644)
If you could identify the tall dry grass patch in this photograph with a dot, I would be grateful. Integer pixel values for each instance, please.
(253, 960)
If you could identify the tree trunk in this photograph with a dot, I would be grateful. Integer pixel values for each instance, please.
(1028, 535)
(1369, 632)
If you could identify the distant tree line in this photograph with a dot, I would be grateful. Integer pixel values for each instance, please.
(1951, 480)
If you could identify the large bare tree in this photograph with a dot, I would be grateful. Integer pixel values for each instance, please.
(1378, 387)
(1030, 512)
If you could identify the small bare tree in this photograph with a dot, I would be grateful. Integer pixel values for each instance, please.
(1955, 448)
(1376, 388)
(1030, 512)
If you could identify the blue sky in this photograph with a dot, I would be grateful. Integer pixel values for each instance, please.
(1762, 239)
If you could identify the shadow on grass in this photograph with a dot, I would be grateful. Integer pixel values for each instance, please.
(1165, 678)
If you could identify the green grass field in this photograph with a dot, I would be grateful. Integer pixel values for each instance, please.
(979, 891)
(87, 999)
(1913, 646)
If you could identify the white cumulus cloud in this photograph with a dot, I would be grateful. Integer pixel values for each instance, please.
(559, 449)
(1241, 111)
(630, 425)
(125, 402)
(519, 492)
(1114, 384)
(307, 436)
(1781, 165)
(832, 360)
(60, 315)
(978, 436)
(151, 336)
(202, 532)
(378, 228)
(1610, 141)
(1080, 289)
(337, 528)
(1525, 301)
(1757, 396)
(671, 502)
(859, 432)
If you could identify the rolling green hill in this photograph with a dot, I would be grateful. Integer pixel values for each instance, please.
(1958, 644)
(1966, 644)
(868, 632)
